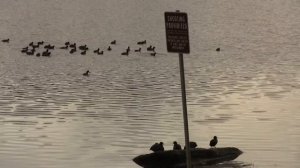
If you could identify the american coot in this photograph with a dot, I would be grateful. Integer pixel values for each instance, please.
(176, 146)
(83, 52)
(86, 73)
(153, 54)
(100, 52)
(97, 51)
(72, 50)
(113, 42)
(128, 49)
(151, 48)
(213, 142)
(192, 145)
(73, 45)
(141, 42)
(83, 47)
(157, 147)
(138, 50)
(64, 47)
(5, 41)
(125, 53)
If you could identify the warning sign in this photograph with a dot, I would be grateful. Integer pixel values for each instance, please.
(177, 32)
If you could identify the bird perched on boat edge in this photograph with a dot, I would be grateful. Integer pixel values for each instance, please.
(157, 147)
(213, 142)
(176, 146)
(192, 145)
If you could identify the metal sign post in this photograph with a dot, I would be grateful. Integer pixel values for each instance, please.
(177, 37)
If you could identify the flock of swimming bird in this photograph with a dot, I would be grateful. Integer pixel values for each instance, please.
(32, 48)
(160, 146)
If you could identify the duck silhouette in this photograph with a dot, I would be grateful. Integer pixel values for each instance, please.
(72, 50)
(73, 45)
(5, 40)
(86, 73)
(192, 145)
(97, 51)
(100, 53)
(83, 52)
(64, 47)
(83, 47)
(151, 48)
(46, 53)
(113, 42)
(138, 50)
(128, 49)
(157, 147)
(109, 48)
(40, 42)
(153, 54)
(24, 50)
(176, 146)
(213, 142)
(141, 42)
(125, 53)
(49, 46)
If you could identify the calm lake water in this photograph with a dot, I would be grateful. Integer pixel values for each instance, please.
(248, 94)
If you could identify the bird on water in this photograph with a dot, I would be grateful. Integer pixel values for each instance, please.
(113, 42)
(86, 73)
(213, 142)
(157, 147)
(218, 49)
(176, 146)
(5, 41)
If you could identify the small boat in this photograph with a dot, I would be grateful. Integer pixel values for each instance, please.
(177, 159)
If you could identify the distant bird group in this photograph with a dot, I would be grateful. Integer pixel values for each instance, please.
(159, 146)
(32, 48)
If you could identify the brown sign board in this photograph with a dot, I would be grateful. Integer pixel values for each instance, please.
(177, 32)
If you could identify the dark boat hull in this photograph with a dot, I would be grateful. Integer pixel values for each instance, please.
(176, 158)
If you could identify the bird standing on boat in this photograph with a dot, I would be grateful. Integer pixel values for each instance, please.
(176, 146)
(157, 147)
(213, 142)
(192, 145)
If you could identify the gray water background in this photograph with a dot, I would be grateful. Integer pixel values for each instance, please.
(248, 94)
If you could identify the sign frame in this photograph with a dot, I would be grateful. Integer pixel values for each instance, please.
(177, 32)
